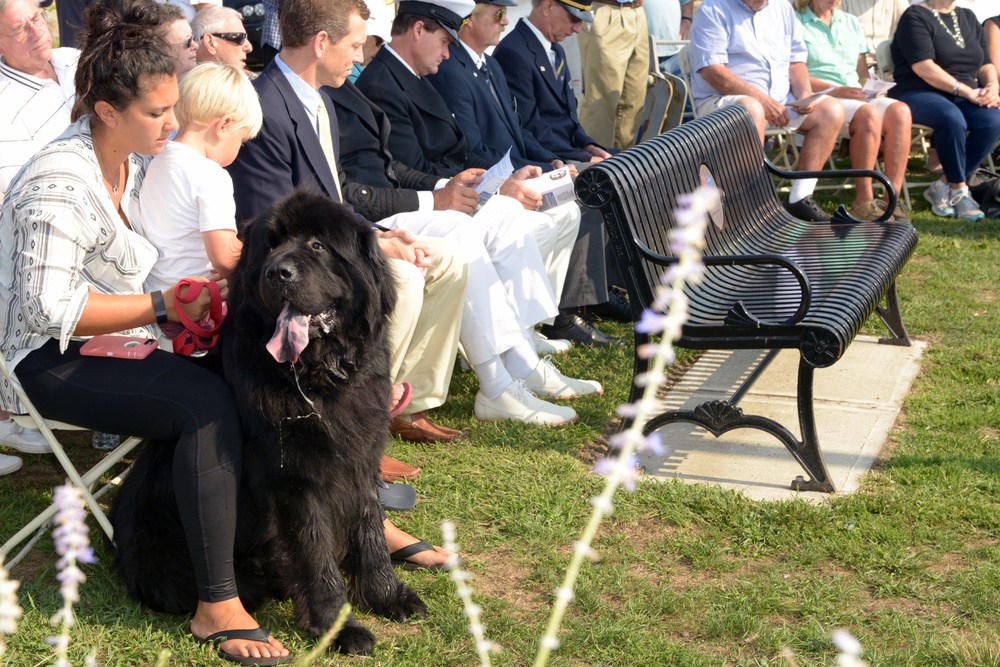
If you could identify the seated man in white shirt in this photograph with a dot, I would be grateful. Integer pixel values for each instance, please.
(36, 99)
(751, 52)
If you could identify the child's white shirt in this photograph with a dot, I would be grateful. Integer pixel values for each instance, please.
(184, 194)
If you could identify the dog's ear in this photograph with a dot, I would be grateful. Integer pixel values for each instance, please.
(383, 283)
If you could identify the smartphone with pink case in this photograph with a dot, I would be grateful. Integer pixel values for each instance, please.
(121, 347)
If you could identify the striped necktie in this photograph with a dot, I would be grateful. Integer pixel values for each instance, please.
(326, 142)
(560, 64)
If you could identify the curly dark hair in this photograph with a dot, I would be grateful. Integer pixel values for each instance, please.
(122, 54)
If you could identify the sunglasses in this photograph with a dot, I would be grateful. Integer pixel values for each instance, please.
(502, 12)
(187, 43)
(236, 38)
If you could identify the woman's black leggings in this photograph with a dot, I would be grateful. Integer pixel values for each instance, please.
(162, 397)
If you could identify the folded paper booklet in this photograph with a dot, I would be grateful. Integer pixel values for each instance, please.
(494, 177)
(806, 101)
(555, 187)
(875, 87)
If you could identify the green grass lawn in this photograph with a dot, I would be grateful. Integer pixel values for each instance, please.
(688, 574)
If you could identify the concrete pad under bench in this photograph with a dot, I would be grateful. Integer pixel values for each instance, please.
(856, 402)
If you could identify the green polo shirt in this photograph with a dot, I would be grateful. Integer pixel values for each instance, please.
(833, 49)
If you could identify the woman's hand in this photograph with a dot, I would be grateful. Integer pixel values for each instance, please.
(988, 96)
(197, 309)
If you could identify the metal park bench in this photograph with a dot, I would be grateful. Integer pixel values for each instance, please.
(771, 281)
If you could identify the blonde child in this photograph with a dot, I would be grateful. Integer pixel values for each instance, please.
(188, 210)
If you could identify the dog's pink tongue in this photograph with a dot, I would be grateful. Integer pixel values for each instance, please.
(291, 335)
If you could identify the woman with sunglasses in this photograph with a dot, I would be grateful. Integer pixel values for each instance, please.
(220, 36)
(176, 32)
(72, 267)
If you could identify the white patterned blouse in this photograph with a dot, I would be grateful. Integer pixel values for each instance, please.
(60, 239)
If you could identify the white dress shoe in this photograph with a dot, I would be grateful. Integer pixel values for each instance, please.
(24, 440)
(518, 404)
(9, 464)
(546, 381)
(546, 346)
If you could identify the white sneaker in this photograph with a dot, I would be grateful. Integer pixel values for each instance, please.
(518, 404)
(9, 464)
(546, 381)
(939, 195)
(546, 346)
(24, 440)
(965, 206)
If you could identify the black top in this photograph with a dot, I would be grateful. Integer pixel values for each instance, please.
(919, 37)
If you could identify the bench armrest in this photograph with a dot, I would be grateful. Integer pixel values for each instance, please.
(843, 173)
(744, 260)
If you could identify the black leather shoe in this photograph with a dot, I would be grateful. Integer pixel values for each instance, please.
(615, 308)
(807, 209)
(574, 327)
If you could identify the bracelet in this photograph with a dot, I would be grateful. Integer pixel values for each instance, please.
(954, 89)
(159, 307)
(685, 18)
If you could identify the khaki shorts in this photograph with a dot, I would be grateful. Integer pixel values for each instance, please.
(716, 102)
(851, 107)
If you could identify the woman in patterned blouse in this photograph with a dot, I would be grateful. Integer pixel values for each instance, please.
(71, 267)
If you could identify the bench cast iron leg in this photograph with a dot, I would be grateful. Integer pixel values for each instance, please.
(893, 319)
(718, 417)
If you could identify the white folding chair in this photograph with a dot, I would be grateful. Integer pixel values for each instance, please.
(654, 110)
(34, 529)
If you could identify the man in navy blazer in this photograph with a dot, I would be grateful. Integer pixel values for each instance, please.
(536, 71)
(473, 85)
(321, 41)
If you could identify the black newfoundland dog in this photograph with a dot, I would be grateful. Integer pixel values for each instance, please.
(314, 430)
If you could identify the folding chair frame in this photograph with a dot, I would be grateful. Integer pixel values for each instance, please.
(34, 529)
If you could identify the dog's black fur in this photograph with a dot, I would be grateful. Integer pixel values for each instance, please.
(308, 504)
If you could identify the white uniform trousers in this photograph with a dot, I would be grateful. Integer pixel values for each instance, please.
(555, 230)
(508, 289)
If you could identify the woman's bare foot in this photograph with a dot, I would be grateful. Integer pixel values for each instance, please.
(396, 539)
(212, 617)
(401, 394)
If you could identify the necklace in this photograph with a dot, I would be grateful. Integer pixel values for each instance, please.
(100, 163)
(957, 35)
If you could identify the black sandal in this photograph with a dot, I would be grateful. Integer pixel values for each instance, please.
(400, 556)
(259, 634)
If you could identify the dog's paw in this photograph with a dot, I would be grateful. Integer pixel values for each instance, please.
(407, 605)
(354, 640)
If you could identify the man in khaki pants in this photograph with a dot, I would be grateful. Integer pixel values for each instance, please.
(615, 53)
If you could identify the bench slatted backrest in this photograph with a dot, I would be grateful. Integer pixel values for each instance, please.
(637, 192)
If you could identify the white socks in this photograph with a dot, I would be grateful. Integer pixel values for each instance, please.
(521, 359)
(493, 377)
(801, 188)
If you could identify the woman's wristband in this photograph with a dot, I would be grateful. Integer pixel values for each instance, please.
(685, 18)
(954, 89)
(159, 307)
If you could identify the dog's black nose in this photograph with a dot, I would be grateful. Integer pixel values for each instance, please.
(282, 272)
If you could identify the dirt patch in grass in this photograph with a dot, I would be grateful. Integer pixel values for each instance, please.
(598, 447)
(508, 580)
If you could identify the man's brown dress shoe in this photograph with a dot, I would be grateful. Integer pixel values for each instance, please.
(397, 471)
(422, 429)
